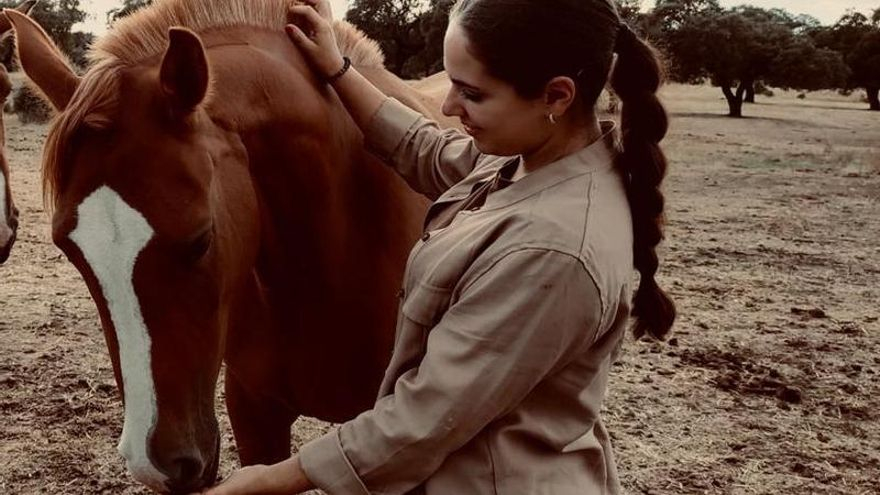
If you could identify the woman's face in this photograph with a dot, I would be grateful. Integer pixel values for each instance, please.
(500, 121)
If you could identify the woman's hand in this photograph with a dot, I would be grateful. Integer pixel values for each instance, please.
(285, 478)
(246, 480)
(310, 29)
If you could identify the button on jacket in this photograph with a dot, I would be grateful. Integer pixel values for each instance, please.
(511, 316)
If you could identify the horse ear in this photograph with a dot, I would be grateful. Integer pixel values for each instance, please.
(42, 61)
(24, 7)
(184, 73)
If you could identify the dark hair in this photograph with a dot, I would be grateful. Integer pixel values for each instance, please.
(528, 42)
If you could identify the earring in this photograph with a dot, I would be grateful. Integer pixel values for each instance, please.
(551, 118)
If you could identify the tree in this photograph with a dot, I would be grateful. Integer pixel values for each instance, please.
(128, 7)
(663, 22)
(394, 24)
(7, 45)
(864, 61)
(739, 47)
(801, 65)
(669, 15)
(432, 27)
(58, 17)
(630, 11)
(857, 39)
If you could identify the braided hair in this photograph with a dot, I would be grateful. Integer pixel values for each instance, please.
(636, 78)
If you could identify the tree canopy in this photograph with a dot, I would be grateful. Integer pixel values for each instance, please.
(128, 7)
(857, 38)
(395, 26)
(736, 49)
(57, 17)
(739, 47)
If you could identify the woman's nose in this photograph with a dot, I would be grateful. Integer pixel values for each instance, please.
(451, 107)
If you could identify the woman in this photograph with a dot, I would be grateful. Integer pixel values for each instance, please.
(517, 297)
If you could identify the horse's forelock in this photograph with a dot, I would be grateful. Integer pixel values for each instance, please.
(92, 105)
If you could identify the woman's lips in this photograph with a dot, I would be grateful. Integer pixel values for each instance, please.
(470, 129)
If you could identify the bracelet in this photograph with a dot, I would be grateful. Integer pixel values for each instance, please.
(346, 64)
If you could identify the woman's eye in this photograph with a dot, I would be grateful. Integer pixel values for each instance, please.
(470, 95)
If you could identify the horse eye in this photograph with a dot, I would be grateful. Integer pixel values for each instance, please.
(197, 249)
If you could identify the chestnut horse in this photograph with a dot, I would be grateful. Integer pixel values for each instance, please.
(220, 205)
(8, 211)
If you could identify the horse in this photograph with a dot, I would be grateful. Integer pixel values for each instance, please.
(8, 211)
(221, 206)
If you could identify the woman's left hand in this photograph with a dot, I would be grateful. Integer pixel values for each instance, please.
(284, 478)
(250, 479)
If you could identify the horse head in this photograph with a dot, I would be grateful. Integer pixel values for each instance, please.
(8, 211)
(141, 181)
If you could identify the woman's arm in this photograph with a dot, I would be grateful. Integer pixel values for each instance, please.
(360, 97)
(430, 159)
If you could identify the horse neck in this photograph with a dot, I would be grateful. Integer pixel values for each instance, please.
(304, 153)
(263, 92)
(311, 173)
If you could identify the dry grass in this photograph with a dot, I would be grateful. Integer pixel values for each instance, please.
(771, 385)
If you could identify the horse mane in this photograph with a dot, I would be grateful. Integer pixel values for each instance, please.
(144, 34)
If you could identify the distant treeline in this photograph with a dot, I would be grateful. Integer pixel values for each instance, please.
(742, 50)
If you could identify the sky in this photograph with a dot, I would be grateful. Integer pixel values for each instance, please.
(827, 11)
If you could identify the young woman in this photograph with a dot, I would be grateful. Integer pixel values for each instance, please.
(517, 298)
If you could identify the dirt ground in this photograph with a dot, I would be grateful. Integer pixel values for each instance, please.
(771, 384)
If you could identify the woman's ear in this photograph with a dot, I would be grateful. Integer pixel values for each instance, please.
(559, 94)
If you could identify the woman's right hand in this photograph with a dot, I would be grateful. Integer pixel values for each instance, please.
(310, 28)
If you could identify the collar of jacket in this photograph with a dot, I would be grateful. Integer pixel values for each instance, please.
(597, 156)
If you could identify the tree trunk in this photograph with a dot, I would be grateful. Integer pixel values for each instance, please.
(750, 94)
(874, 98)
(734, 101)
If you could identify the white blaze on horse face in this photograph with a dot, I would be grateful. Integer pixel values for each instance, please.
(110, 234)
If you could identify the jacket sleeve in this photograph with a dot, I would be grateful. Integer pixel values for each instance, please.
(430, 159)
(522, 319)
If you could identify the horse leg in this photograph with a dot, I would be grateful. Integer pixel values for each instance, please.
(261, 427)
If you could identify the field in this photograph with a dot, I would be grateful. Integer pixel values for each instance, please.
(770, 385)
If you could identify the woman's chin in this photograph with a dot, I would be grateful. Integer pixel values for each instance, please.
(483, 146)
(490, 149)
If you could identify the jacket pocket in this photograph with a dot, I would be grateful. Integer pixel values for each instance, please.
(422, 309)
(425, 304)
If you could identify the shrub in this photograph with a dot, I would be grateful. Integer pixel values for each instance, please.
(31, 109)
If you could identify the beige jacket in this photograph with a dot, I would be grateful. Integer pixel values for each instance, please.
(510, 320)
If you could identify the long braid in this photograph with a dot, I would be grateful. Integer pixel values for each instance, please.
(636, 79)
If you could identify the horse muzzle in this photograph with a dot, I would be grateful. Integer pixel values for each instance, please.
(175, 468)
